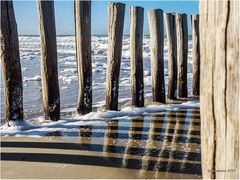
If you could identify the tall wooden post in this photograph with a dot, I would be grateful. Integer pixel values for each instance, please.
(220, 88)
(10, 61)
(195, 55)
(172, 55)
(115, 35)
(84, 61)
(49, 68)
(157, 59)
(182, 54)
(136, 40)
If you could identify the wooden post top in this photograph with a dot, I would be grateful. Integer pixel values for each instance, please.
(154, 10)
(117, 4)
(136, 7)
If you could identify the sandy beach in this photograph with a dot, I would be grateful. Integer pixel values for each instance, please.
(157, 145)
(47, 170)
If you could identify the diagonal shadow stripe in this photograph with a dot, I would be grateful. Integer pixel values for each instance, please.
(145, 129)
(111, 149)
(155, 137)
(175, 115)
(167, 138)
(186, 168)
(160, 121)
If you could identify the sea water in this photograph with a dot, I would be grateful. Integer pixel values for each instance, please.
(30, 55)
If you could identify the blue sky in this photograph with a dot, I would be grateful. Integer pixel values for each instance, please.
(27, 17)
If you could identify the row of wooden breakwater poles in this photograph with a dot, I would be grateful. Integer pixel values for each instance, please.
(177, 40)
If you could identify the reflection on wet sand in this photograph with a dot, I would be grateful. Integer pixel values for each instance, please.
(160, 145)
(187, 146)
(171, 143)
(174, 145)
(165, 145)
(85, 134)
(133, 141)
(151, 146)
(110, 138)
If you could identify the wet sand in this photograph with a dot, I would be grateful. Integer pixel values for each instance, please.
(159, 145)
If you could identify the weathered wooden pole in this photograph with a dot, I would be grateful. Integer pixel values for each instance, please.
(136, 41)
(172, 55)
(195, 55)
(10, 62)
(84, 60)
(155, 18)
(220, 88)
(115, 35)
(49, 68)
(182, 54)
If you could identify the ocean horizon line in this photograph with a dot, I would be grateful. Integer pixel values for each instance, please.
(61, 35)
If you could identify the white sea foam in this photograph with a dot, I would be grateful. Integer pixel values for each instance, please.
(43, 127)
(15, 126)
(35, 78)
(30, 55)
(130, 111)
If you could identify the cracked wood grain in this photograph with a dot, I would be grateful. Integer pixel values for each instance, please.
(219, 97)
